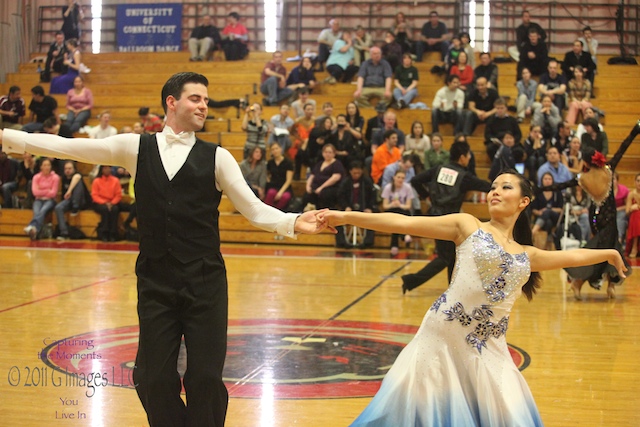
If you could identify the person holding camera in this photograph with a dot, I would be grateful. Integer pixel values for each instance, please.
(256, 128)
(72, 14)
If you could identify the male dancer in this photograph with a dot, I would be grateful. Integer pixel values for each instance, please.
(446, 185)
(182, 284)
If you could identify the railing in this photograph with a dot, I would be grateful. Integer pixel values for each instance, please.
(302, 20)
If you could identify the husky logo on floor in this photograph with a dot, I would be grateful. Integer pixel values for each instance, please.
(288, 358)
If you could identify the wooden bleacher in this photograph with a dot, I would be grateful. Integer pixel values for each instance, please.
(123, 82)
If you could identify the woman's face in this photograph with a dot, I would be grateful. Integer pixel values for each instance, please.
(465, 39)
(577, 73)
(45, 166)
(547, 180)
(506, 196)
(306, 63)
(398, 179)
(637, 183)
(589, 113)
(77, 83)
(526, 74)
(406, 61)
(436, 142)
(308, 111)
(575, 145)
(535, 133)
(462, 58)
(546, 102)
(328, 123)
(417, 129)
(351, 109)
(328, 153)
(257, 154)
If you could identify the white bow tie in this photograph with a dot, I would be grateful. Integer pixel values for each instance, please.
(182, 138)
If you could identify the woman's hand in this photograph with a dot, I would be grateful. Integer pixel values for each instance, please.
(617, 261)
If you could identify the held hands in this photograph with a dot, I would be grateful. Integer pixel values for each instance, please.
(308, 223)
(330, 219)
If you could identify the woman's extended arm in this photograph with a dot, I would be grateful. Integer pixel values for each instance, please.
(454, 227)
(542, 260)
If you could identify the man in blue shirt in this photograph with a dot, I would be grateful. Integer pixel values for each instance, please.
(558, 171)
(433, 37)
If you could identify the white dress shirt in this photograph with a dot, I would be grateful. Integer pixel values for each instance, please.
(122, 150)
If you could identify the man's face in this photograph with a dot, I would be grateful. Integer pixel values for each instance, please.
(501, 110)
(453, 84)
(68, 170)
(59, 39)
(481, 85)
(277, 58)
(553, 156)
(393, 140)
(526, 18)
(341, 120)
(37, 98)
(389, 120)
(327, 110)
(508, 140)
(376, 54)
(335, 25)
(485, 60)
(308, 111)
(433, 19)
(14, 96)
(137, 128)
(577, 47)
(565, 130)
(284, 110)
(552, 68)
(190, 111)
(104, 119)
(533, 38)
(106, 170)
(206, 21)
(356, 173)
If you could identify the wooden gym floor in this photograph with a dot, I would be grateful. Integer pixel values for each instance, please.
(312, 331)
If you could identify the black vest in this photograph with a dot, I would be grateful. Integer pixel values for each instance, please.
(179, 217)
(445, 189)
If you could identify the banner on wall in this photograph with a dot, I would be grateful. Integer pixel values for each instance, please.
(149, 27)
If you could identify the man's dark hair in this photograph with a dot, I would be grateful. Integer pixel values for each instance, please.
(387, 134)
(13, 89)
(407, 157)
(485, 53)
(579, 41)
(553, 147)
(49, 123)
(533, 30)
(561, 125)
(37, 90)
(58, 33)
(143, 111)
(593, 123)
(356, 164)
(235, 15)
(458, 149)
(587, 28)
(450, 78)
(175, 85)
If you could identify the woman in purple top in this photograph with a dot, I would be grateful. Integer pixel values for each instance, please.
(397, 197)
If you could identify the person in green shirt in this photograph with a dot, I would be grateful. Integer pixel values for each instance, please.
(436, 155)
(405, 82)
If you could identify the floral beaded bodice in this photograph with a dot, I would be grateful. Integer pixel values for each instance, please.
(486, 282)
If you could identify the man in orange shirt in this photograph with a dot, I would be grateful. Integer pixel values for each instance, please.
(386, 154)
(106, 193)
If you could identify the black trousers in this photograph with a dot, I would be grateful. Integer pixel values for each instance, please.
(178, 300)
(446, 259)
(108, 219)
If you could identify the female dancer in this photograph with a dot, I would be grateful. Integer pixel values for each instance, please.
(457, 369)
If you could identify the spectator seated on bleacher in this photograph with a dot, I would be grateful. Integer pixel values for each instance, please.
(75, 197)
(356, 193)
(522, 35)
(527, 90)
(41, 107)
(546, 208)
(436, 155)
(254, 170)
(463, 70)
(564, 136)
(572, 156)
(106, 193)
(362, 42)
(633, 211)
(355, 121)
(447, 105)
(8, 178)
(79, 105)
(499, 124)
(481, 106)
(55, 58)
(594, 137)
(397, 197)
(547, 116)
(578, 57)
(73, 61)
(488, 70)
(302, 77)
(326, 40)
(344, 139)
(453, 53)
(235, 38)
(621, 194)
(105, 130)
(12, 109)
(589, 113)
(301, 130)
(553, 166)
(341, 63)
(257, 129)
(322, 185)
(405, 164)
(390, 122)
(434, 36)
(417, 142)
(579, 202)
(152, 123)
(405, 81)
(579, 95)
(391, 50)
(374, 80)
(297, 106)
(590, 45)
(536, 148)
(533, 54)
(281, 125)
(510, 154)
(28, 167)
(52, 127)
(273, 81)
(553, 84)
(44, 188)
(403, 32)
(318, 137)
(385, 154)
(279, 178)
(204, 40)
